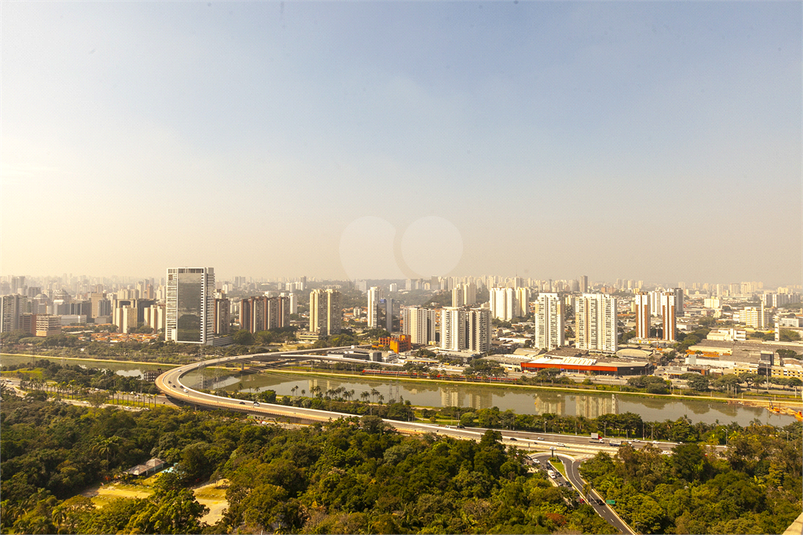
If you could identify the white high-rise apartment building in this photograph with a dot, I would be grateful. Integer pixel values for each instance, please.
(125, 317)
(669, 314)
(466, 330)
(655, 302)
(464, 294)
(457, 297)
(453, 329)
(469, 294)
(325, 312)
(596, 319)
(643, 315)
(420, 324)
(549, 328)
(374, 295)
(478, 330)
(756, 317)
(190, 310)
(503, 303)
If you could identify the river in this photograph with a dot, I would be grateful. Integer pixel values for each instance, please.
(478, 396)
(472, 395)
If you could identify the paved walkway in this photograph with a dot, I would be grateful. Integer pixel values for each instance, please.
(796, 528)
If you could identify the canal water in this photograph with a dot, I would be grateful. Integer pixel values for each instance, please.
(472, 395)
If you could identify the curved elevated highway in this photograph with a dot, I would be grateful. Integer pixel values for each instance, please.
(170, 383)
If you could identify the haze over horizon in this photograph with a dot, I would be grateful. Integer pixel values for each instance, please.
(658, 141)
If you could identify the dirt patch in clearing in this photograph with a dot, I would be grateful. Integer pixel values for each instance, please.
(214, 497)
(106, 493)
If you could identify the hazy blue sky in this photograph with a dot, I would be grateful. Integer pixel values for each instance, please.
(646, 140)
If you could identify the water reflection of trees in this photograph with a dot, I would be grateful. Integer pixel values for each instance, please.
(695, 408)
(476, 397)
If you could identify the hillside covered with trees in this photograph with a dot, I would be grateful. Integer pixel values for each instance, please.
(350, 476)
(754, 488)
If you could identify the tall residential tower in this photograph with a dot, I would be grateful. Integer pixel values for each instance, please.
(596, 323)
(325, 312)
(549, 327)
(190, 307)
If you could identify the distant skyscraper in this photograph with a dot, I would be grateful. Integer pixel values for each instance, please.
(655, 302)
(386, 309)
(17, 284)
(679, 301)
(325, 312)
(669, 313)
(190, 310)
(222, 315)
(643, 314)
(596, 322)
(469, 294)
(11, 308)
(549, 329)
(97, 308)
(457, 297)
(374, 295)
(583, 283)
(522, 302)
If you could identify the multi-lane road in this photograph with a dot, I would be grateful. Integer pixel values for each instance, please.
(572, 468)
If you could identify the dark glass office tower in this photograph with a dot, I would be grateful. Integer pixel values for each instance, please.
(190, 305)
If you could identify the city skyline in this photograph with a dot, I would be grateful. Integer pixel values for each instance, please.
(647, 140)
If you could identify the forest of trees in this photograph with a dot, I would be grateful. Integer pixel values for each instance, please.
(755, 487)
(357, 475)
(350, 476)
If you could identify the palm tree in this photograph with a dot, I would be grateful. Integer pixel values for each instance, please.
(106, 446)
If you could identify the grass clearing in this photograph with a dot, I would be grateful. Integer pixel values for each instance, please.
(558, 464)
(106, 493)
(212, 495)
